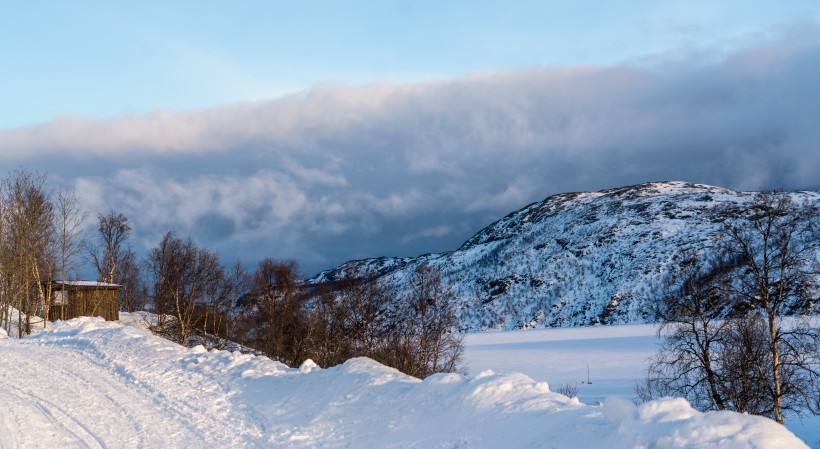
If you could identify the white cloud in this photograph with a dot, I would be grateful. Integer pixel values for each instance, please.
(435, 232)
(380, 169)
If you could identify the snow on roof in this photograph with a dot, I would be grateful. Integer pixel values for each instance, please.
(86, 284)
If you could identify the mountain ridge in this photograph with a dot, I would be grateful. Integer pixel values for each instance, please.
(573, 259)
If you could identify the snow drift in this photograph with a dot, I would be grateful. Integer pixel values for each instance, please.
(90, 383)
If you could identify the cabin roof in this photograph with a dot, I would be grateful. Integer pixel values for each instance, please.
(82, 285)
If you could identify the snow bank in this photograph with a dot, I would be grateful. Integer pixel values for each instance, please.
(614, 355)
(16, 317)
(199, 398)
(673, 423)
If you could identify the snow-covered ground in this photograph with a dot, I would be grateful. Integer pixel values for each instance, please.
(614, 356)
(89, 383)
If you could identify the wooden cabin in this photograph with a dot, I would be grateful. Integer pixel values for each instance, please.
(71, 299)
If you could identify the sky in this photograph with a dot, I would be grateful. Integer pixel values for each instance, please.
(329, 131)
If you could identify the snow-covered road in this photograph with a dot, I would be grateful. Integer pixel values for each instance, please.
(62, 393)
(91, 384)
(67, 400)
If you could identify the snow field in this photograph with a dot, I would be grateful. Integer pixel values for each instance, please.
(89, 383)
(616, 357)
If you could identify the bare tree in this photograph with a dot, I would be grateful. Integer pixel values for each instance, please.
(727, 346)
(185, 279)
(364, 301)
(693, 331)
(776, 243)
(27, 245)
(349, 320)
(279, 327)
(106, 257)
(426, 341)
(330, 342)
(742, 382)
(220, 315)
(159, 265)
(69, 220)
(134, 293)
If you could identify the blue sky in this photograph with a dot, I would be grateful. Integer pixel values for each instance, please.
(105, 59)
(330, 131)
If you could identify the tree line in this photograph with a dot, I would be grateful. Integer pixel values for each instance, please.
(725, 344)
(271, 310)
(196, 299)
(39, 242)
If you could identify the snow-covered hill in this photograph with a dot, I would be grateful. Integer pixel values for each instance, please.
(573, 259)
(88, 383)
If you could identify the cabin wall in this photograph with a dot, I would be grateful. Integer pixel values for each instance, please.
(102, 303)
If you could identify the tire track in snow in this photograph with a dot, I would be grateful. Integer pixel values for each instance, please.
(70, 401)
(198, 403)
(77, 404)
(23, 415)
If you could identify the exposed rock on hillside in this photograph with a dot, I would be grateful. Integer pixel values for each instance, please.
(573, 259)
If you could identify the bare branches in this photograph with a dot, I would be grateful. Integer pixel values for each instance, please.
(430, 324)
(727, 346)
(279, 326)
(69, 220)
(185, 279)
(355, 317)
(113, 231)
(27, 246)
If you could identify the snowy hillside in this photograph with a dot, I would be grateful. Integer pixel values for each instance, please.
(573, 259)
(89, 383)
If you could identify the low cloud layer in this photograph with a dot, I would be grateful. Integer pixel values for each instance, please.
(346, 172)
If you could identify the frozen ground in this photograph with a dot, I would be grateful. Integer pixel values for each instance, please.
(614, 355)
(86, 383)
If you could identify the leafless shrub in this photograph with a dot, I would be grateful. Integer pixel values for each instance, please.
(567, 389)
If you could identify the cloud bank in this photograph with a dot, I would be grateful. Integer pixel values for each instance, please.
(344, 172)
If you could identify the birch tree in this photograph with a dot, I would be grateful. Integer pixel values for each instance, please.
(27, 245)
(69, 218)
(426, 341)
(728, 346)
(107, 255)
(777, 242)
(186, 278)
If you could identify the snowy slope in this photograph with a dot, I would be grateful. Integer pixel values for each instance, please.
(573, 259)
(89, 383)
